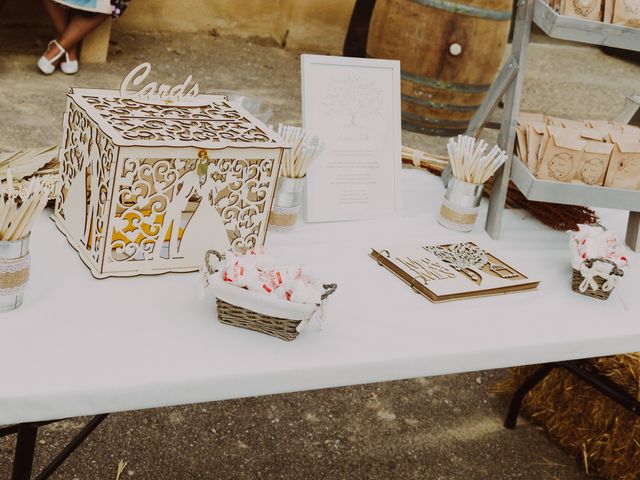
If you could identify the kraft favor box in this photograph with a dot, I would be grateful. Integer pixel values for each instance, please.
(624, 166)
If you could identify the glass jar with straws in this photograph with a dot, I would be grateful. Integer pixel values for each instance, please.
(471, 167)
(296, 162)
(18, 211)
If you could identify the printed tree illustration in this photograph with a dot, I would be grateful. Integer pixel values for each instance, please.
(354, 96)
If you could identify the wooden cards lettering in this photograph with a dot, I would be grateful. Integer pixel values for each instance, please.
(152, 92)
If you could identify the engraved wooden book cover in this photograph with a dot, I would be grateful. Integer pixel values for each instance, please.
(453, 271)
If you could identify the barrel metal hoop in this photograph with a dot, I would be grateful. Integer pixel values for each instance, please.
(443, 85)
(440, 132)
(440, 106)
(436, 121)
(468, 10)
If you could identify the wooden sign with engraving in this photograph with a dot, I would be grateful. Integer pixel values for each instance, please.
(453, 271)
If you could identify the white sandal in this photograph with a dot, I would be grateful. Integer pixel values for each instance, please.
(47, 66)
(70, 67)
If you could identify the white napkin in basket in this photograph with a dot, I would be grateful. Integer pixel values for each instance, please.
(259, 302)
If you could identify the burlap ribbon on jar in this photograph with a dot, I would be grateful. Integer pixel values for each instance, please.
(457, 217)
(14, 274)
(283, 218)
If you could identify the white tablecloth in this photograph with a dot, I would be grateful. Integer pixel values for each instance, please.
(82, 346)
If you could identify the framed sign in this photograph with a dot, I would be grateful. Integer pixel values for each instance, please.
(353, 104)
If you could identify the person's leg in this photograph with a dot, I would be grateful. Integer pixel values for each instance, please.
(58, 14)
(79, 26)
(60, 17)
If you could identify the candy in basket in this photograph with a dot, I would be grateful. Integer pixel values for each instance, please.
(253, 292)
(598, 261)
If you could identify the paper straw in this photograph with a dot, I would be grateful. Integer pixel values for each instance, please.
(18, 214)
(304, 149)
(470, 163)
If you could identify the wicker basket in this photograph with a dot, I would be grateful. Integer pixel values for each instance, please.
(604, 285)
(238, 315)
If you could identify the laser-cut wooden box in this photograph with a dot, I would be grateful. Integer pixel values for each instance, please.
(148, 187)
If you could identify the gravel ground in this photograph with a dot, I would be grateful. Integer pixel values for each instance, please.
(436, 428)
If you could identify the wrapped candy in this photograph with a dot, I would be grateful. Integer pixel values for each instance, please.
(278, 276)
(261, 259)
(304, 291)
(595, 242)
(294, 271)
(262, 284)
(258, 271)
(240, 270)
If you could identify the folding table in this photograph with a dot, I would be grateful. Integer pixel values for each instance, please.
(80, 346)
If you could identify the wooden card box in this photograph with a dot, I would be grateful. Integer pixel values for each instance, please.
(147, 188)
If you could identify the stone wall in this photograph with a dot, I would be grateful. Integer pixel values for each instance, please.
(315, 25)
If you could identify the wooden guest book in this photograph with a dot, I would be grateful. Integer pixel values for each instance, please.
(452, 271)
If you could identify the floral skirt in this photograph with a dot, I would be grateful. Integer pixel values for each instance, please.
(115, 8)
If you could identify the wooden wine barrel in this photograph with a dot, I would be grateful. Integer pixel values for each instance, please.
(450, 52)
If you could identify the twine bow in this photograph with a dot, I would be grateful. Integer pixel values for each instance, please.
(602, 268)
(204, 283)
(206, 270)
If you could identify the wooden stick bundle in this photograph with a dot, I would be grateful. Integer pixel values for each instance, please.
(18, 214)
(469, 162)
(24, 163)
(304, 149)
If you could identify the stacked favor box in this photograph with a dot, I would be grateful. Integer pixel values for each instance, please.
(617, 12)
(592, 152)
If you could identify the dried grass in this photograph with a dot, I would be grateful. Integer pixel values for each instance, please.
(601, 434)
(121, 466)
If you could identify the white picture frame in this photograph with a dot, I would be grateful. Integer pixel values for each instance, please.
(353, 105)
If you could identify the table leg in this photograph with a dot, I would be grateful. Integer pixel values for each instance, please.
(581, 370)
(518, 396)
(26, 446)
(10, 430)
(71, 447)
(633, 231)
(603, 384)
(25, 449)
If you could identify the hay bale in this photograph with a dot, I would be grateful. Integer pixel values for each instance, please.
(603, 435)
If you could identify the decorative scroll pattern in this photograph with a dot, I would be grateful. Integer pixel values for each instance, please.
(125, 107)
(158, 198)
(87, 152)
(101, 161)
(71, 156)
(215, 122)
